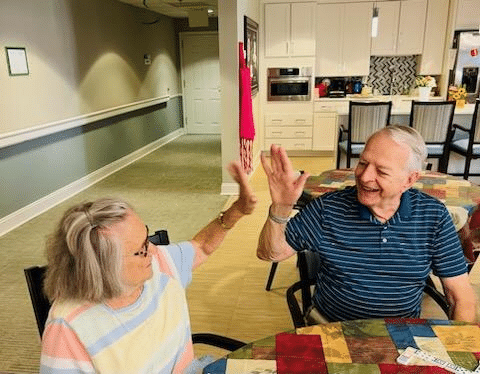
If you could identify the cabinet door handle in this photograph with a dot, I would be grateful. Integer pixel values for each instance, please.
(298, 133)
(277, 132)
(300, 121)
(277, 121)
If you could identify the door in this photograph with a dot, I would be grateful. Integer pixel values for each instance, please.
(201, 82)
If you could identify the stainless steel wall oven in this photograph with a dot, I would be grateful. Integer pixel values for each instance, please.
(289, 84)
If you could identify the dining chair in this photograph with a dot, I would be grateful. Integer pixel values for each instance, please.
(466, 142)
(433, 120)
(364, 118)
(308, 265)
(41, 305)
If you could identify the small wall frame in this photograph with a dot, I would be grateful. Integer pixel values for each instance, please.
(250, 43)
(16, 61)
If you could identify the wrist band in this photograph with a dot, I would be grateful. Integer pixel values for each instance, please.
(277, 219)
(222, 223)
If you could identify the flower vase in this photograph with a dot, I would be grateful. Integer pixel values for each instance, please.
(460, 103)
(424, 93)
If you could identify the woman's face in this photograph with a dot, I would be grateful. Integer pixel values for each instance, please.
(137, 259)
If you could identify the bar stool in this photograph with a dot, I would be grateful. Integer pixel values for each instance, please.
(364, 118)
(468, 147)
(433, 120)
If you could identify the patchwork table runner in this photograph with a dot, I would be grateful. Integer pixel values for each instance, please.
(360, 347)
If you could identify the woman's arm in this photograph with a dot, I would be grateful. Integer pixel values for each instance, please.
(208, 239)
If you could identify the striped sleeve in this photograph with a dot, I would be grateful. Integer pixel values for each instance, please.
(62, 351)
(447, 258)
(180, 257)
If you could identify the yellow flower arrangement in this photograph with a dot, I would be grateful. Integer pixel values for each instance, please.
(459, 94)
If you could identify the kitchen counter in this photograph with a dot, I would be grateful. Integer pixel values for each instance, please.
(401, 104)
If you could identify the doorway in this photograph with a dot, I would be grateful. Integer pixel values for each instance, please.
(200, 82)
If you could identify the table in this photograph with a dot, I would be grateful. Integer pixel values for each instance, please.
(361, 347)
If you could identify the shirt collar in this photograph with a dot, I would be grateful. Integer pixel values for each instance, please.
(404, 211)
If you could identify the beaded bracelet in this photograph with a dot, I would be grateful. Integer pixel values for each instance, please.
(277, 219)
(222, 223)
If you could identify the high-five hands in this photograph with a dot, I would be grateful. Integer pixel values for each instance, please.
(246, 200)
(284, 184)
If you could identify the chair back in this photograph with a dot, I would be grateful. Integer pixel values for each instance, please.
(364, 118)
(41, 305)
(432, 119)
(475, 126)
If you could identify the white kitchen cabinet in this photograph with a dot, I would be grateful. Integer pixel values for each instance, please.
(431, 60)
(293, 131)
(468, 15)
(325, 131)
(401, 26)
(290, 29)
(343, 39)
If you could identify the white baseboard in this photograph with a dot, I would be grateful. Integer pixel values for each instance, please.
(32, 210)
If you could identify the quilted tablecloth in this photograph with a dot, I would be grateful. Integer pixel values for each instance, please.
(360, 347)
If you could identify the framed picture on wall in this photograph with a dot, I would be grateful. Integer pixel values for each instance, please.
(251, 50)
(16, 60)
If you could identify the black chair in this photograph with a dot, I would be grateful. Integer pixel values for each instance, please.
(308, 264)
(466, 142)
(364, 118)
(433, 120)
(41, 305)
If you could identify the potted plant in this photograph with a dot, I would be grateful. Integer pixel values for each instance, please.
(424, 85)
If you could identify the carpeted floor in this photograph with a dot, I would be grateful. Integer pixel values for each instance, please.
(176, 187)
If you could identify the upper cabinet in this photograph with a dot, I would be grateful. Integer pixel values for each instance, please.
(343, 39)
(401, 27)
(431, 60)
(468, 15)
(290, 29)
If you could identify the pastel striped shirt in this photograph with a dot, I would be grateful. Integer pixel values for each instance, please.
(152, 335)
(374, 270)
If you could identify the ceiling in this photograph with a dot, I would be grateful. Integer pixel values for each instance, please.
(175, 8)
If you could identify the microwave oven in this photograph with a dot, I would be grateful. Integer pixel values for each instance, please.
(289, 84)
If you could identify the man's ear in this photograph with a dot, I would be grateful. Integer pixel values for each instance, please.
(412, 177)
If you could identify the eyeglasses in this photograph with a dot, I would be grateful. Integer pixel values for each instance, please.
(144, 251)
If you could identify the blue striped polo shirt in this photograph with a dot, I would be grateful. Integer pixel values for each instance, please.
(371, 269)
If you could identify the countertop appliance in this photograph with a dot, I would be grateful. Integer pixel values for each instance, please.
(289, 84)
(467, 63)
(337, 88)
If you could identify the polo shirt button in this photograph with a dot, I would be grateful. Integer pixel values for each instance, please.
(385, 227)
(384, 240)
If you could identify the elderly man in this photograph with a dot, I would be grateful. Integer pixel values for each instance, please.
(378, 241)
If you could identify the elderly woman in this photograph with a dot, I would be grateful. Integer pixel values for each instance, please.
(119, 301)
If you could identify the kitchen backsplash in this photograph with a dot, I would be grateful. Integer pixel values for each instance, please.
(392, 75)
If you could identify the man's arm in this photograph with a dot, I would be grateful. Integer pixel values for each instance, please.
(461, 297)
(208, 239)
(285, 189)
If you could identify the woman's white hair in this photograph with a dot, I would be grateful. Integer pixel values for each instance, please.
(84, 257)
(410, 138)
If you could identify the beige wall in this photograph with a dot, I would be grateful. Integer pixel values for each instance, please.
(83, 56)
(230, 17)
